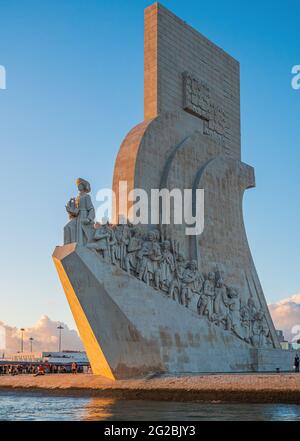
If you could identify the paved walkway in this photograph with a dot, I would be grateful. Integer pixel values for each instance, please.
(259, 388)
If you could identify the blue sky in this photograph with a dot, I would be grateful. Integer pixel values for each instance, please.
(75, 88)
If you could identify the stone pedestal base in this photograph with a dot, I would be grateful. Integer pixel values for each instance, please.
(129, 329)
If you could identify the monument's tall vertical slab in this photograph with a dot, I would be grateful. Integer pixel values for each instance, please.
(171, 48)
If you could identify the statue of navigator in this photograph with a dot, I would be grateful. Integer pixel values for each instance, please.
(81, 212)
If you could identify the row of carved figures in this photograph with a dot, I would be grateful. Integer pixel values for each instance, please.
(160, 264)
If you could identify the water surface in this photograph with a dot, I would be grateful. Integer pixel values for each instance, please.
(42, 407)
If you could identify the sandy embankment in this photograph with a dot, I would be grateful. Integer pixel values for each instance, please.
(259, 388)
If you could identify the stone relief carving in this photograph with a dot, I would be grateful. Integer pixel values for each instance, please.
(217, 121)
(161, 265)
(196, 96)
(197, 100)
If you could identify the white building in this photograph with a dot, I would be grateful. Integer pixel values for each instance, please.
(64, 357)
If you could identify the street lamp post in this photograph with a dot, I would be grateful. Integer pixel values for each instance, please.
(31, 340)
(60, 328)
(22, 339)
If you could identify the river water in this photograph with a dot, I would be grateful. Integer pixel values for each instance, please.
(41, 407)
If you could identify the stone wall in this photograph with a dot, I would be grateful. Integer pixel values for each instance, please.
(171, 48)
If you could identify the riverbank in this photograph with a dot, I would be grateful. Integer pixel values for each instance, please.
(255, 388)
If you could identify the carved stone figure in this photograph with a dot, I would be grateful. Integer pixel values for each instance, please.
(252, 314)
(100, 242)
(221, 302)
(192, 282)
(81, 212)
(260, 337)
(176, 284)
(112, 244)
(134, 245)
(206, 300)
(122, 235)
(148, 260)
(234, 312)
(167, 266)
(246, 323)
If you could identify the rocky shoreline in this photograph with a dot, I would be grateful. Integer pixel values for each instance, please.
(251, 388)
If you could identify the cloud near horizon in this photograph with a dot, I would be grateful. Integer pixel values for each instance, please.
(286, 316)
(45, 335)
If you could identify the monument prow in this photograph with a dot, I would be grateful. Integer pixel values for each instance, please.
(150, 298)
(130, 330)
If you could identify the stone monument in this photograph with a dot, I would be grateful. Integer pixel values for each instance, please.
(150, 298)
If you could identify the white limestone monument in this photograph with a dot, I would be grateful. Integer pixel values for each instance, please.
(150, 298)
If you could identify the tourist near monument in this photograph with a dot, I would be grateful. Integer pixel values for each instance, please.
(150, 298)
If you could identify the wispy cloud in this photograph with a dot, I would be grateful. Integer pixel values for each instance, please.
(45, 335)
(286, 315)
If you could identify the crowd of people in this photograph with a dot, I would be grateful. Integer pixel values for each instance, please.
(39, 369)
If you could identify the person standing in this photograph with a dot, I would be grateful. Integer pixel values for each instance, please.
(74, 367)
(296, 363)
